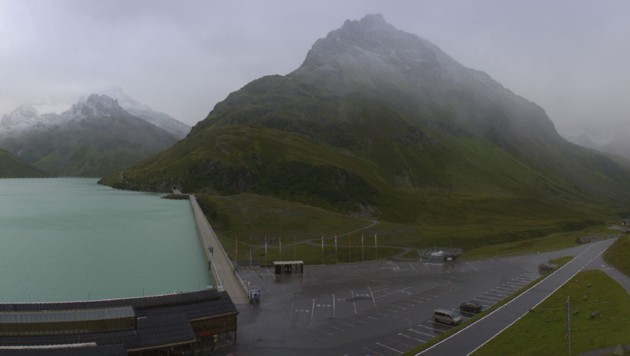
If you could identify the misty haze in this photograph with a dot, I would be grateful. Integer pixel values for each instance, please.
(362, 178)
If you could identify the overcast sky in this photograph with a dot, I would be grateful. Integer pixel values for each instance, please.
(571, 57)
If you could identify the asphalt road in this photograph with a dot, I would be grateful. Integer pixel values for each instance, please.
(474, 336)
(384, 308)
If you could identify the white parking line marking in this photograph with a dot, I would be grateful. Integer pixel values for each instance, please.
(292, 311)
(372, 295)
(493, 298)
(387, 347)
(312, 311)
(370, 351)
(506, 292)
(412, 267)
(496, 294)
(409, 337)
(513, 285)
(430, 328)
(532, 275)
(421, 333)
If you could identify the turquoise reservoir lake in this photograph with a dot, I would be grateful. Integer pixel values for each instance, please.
(66, 239)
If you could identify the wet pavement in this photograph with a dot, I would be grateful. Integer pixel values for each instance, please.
(371, 308)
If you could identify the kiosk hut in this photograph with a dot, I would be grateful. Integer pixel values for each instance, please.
(288, 267)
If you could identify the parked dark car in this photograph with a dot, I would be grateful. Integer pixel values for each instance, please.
(470, 308)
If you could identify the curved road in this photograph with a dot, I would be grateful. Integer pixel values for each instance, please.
(475, 335)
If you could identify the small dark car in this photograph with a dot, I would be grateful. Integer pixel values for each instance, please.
(470, 308)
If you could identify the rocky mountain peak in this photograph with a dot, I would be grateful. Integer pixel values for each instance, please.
(102, 102)
(95, 106)
(374, 54)
(371, 22)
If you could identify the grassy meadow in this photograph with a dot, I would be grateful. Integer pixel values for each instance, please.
(293, 230)
(617, 255)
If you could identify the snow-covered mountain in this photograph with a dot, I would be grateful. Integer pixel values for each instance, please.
(26, 117)
(95, 137)
(157, 118)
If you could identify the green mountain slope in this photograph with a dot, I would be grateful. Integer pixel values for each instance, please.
(12, 167)
(381, 123)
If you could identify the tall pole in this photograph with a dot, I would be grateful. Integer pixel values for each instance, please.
(362, 249)
(569, 324)
(322, 249)
(349, 250)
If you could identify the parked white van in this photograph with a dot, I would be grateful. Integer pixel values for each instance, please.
(446, 316)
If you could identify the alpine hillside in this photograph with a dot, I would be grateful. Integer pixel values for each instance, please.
(12, 167)
(381, 123)
(95, 137)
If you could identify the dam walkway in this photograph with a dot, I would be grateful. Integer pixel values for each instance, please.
(225, 277)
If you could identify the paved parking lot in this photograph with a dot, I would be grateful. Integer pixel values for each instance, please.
(372, 308)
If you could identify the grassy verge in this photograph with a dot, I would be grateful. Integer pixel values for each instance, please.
(559, 262)
(617, 255)
(543, 330)
(550, 242)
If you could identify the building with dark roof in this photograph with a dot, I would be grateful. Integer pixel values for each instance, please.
(181, 323)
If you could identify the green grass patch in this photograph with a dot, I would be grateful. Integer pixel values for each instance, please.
(257, 218)
(550, 242)
(542, 331)
(617, 254)
(291, 231)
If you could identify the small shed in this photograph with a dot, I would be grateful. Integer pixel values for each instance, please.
(288, 267)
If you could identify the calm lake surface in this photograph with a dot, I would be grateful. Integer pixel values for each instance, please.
(67, 239)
